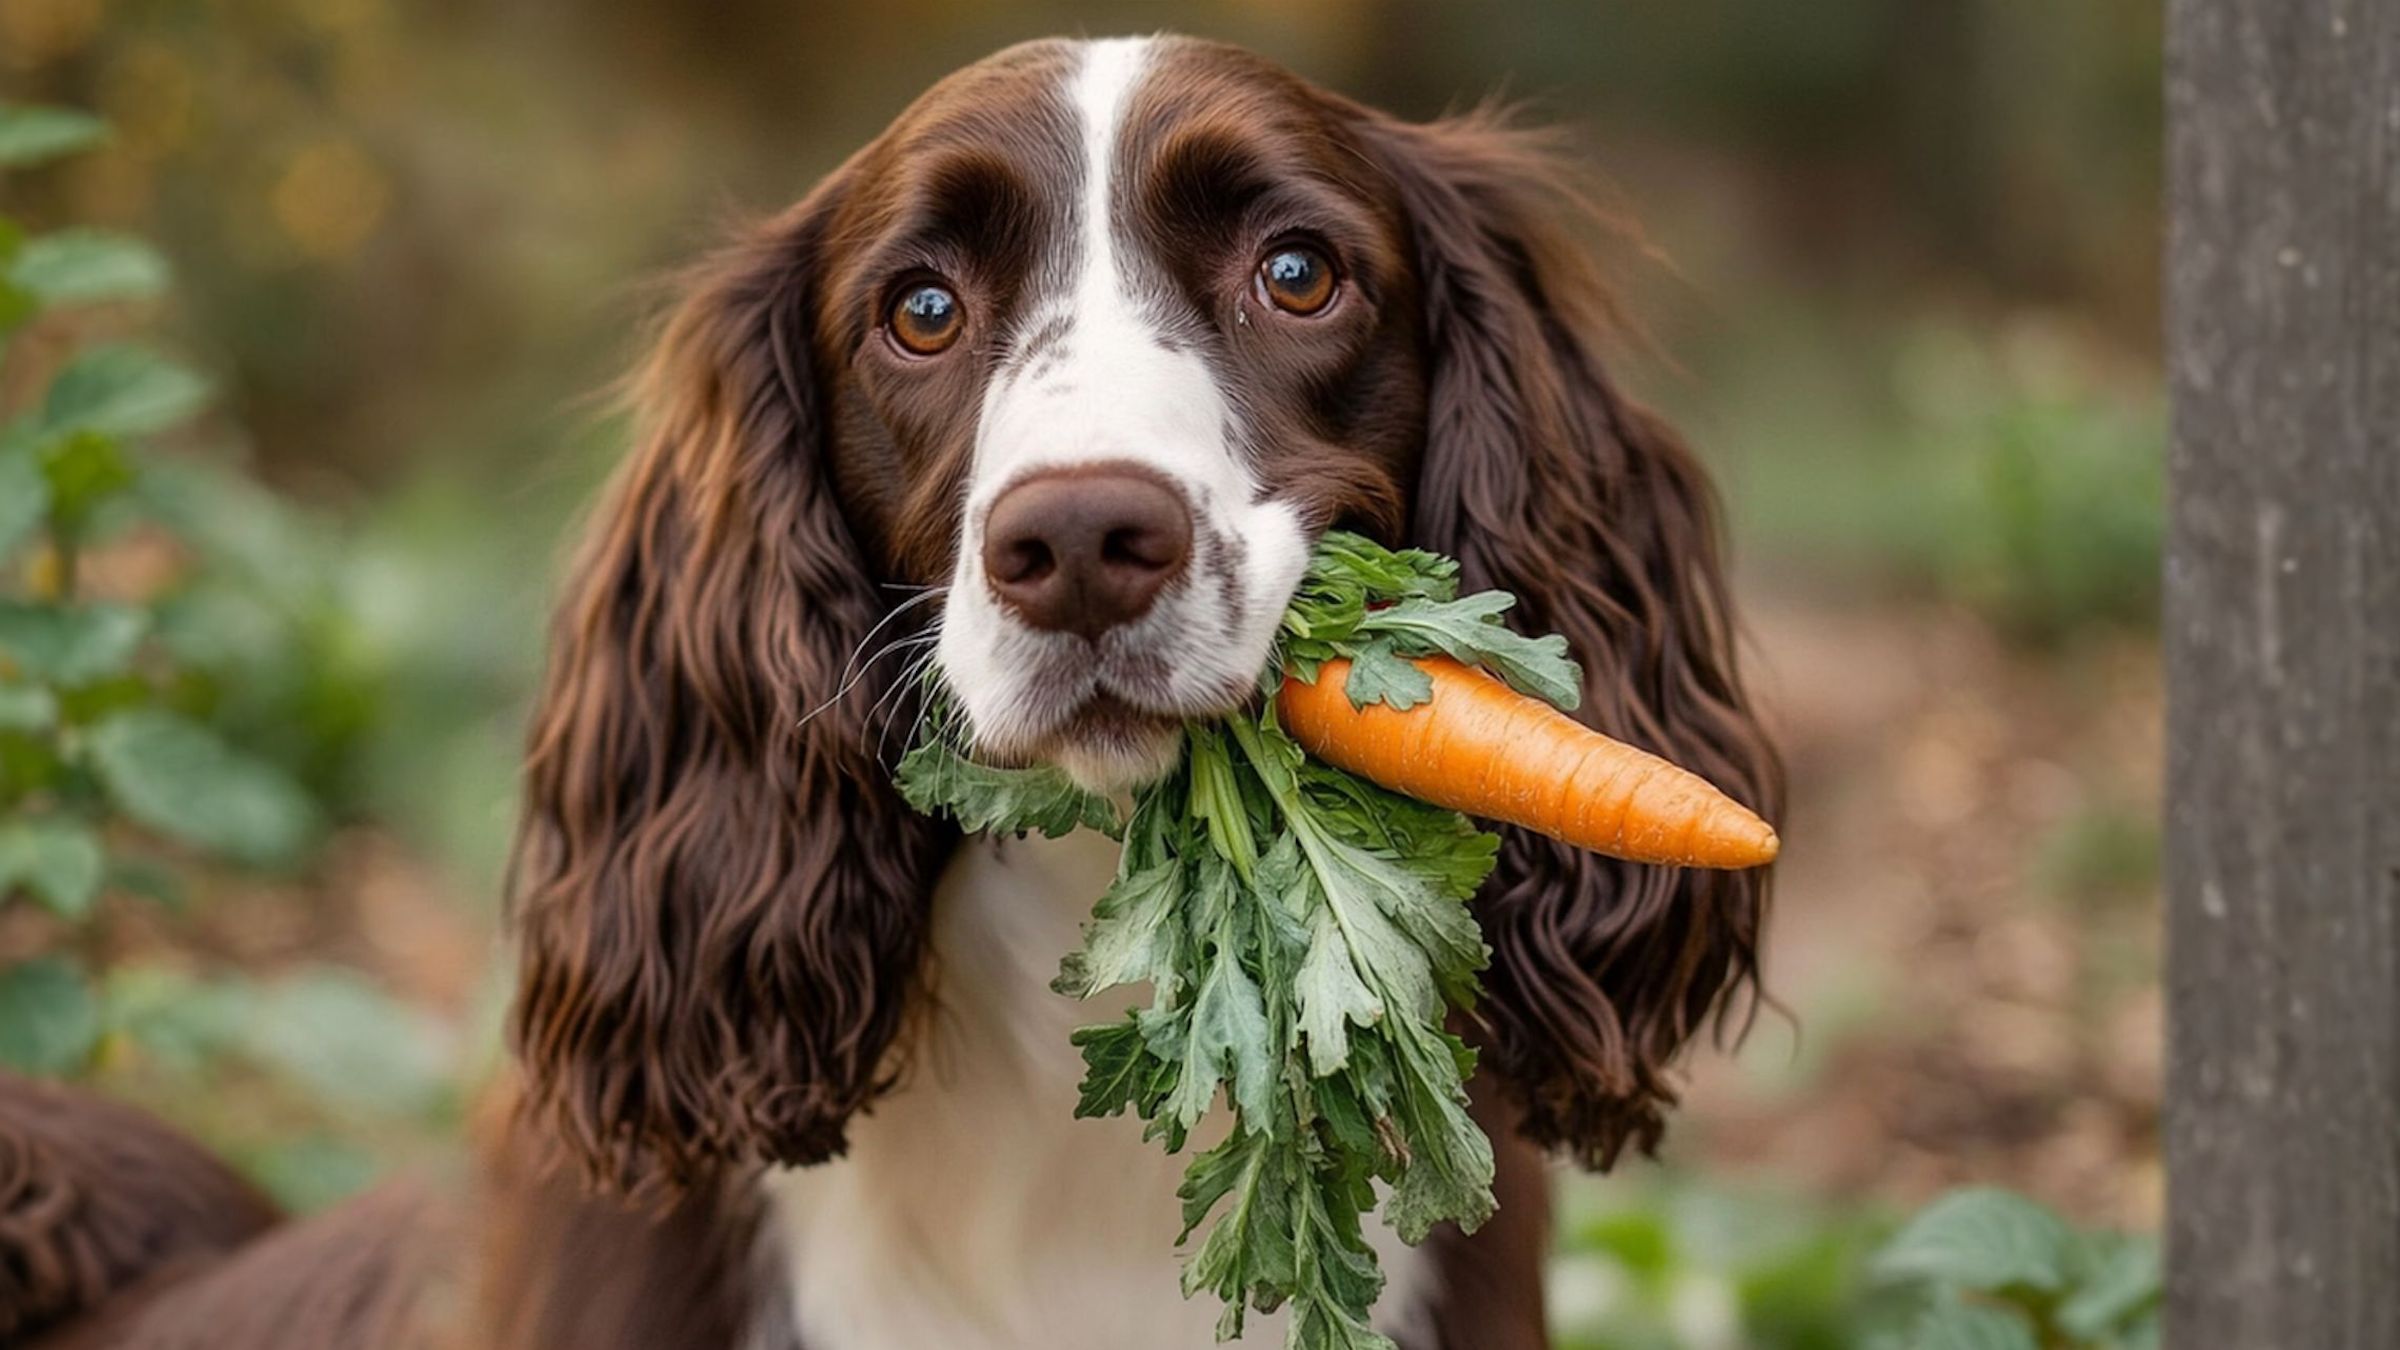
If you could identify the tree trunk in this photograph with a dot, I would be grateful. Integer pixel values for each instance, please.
(2283, 652)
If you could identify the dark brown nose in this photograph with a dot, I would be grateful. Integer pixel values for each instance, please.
(1085, 551)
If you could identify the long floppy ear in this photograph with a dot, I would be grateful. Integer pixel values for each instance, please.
(720, 900)
(1544, 480)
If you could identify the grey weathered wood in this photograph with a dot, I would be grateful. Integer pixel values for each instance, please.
(2283, 649)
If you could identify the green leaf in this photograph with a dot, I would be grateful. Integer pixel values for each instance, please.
(1133, 937)
(233, 522)
(178, 778)
(87, 266)
(2145, 1334)
(49, 1021)
(937, 780)
(83, 470)
(1337, 1280)
(312, 1172)
(2120, 1278)
(1226, 1040)
(24, 496)
(1449, 1173)
(122, 391)
(59, 862)
(1380, 675)
(1469, 629)
(351, 1044)
(28, 763)
(1983, 1239)
(17, 305)
(1119, 1070)
(1953, 1325)
(70, 646)
(30, 135)
(1251, 1245)
(183, 1022)
(27, 707)
(1330, 996)
(1412, 941)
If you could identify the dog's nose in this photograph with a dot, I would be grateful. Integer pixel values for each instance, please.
(1085, 551)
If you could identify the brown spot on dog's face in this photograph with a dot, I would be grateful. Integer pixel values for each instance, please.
(968, 188)
(1229, 162)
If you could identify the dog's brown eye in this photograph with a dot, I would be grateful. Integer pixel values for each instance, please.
(926, 319)
(1298, 280)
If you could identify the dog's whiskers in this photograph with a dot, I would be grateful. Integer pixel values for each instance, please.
(855, 669)
(913, 674)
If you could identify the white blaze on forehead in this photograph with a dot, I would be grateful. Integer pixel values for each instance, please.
(1107, 384)
(1091, 376)
(1104, 84)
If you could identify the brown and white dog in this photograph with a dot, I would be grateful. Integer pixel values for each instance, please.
(1053, 385)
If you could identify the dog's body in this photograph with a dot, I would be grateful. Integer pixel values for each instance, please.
(972, 1206)
(1089, 347)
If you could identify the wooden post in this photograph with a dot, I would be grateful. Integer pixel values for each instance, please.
(2283, 662)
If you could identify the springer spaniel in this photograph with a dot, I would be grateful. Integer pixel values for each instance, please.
(1052, 385)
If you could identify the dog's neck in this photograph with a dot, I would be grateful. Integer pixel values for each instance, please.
(973, 1208)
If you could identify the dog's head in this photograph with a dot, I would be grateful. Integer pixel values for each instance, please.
(1049, 390)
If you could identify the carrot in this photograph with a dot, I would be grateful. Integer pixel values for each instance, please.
(1480, 747)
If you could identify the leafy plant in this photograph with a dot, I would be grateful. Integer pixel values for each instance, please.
(1995, 1271)
(107, 762)
(1674, 1264)
(1671, 1263)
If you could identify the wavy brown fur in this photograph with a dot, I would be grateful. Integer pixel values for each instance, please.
(719, 895)
(1544, 480)
(356, 1277)
(97, 1197)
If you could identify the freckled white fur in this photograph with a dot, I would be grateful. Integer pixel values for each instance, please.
(1116, 392)
(973, 1210)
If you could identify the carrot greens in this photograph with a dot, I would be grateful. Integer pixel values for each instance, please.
(1304, 934)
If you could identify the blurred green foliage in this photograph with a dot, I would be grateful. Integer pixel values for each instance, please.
(1991, 1269)
(1677, 1265)
(2013, 473)
(106, 732)
(173, 700)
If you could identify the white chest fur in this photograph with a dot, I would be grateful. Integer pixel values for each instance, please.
(973, 1209)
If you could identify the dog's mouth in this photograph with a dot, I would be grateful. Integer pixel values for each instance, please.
(1111, 714)
(1110, 740)
(1105, 717)
(1110, 744)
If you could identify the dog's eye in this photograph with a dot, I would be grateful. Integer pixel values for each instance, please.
(1298, 280)
(926, 319)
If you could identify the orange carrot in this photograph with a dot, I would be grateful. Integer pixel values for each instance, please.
(1480, 747)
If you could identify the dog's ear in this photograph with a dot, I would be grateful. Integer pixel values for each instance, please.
(1546, 481)
(720, 900)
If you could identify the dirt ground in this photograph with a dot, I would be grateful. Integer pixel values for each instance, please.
(1965, 943)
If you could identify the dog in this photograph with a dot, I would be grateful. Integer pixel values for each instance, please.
(1051, 387)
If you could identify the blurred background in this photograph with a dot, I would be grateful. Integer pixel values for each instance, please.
(1900, 275)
